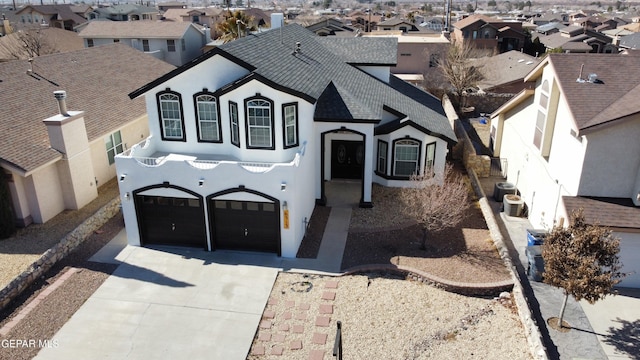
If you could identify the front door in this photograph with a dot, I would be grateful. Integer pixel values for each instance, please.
(347, 158)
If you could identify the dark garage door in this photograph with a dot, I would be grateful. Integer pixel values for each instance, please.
(246, 225)
(171, 221)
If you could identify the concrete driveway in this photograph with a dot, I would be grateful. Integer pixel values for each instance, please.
(178, 304)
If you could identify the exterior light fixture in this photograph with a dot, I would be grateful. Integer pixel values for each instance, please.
(201, 182)
(283, 186)
(122, 177)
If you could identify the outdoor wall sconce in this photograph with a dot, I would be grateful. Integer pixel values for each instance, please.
(283, 186)
(126, 196)
(201, 182)
(122, 177)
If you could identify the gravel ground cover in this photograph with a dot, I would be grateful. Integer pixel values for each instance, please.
(386, 316)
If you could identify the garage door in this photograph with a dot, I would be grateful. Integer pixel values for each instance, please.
(171, 221)
(246, 225)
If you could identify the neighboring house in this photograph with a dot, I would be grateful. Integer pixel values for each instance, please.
(47, 40)
(332, 27)
(397, 24)
(630, 42)
(209, 17)
(434, 23)
(241, 146)
(418, 54)
(548, 18)
(504, 73)
(484, 32)
(574, 144)
(550, 28)
(56, 162)
(59, 16)
(575, 39)
(124, 12)
(164, 6)
(174, 42)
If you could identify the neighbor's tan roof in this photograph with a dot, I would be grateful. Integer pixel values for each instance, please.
(97, 81)
(135, 29)
(54, 40)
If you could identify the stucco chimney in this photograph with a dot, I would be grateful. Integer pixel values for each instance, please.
(61, 96)
(277, 20)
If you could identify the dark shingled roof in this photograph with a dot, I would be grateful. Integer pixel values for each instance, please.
(610, 212)
(363, 50)
(96, 80)
(271, 54)
(312, 69)
(613, 96)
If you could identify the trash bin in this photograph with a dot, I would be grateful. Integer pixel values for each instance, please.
(535, 266)
(536, 236)
(500, 189)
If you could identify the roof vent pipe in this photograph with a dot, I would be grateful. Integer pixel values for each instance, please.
(61, 95)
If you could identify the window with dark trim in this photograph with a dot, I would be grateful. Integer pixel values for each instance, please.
(382, 156)
(171, 45)
(406, 155)
(259, 123)
(89, 42)
(116, 40)
(233, 121)
(429, 159)
(290, 124)
(207, 117)
(145, 45)
(170, 114)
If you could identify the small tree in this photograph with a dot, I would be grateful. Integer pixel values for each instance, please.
(436, 202)
(235, 25)
(581, 259)
(458, 69)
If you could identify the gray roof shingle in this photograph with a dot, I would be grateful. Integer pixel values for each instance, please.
(312, 69)
(97, 81)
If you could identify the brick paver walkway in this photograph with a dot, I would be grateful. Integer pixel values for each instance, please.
(298, 328)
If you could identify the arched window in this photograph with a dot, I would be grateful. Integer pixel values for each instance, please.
(207, 118)
(259, 113)
(406, 156)
(170, 111)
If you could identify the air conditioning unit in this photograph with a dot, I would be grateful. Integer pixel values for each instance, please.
(501, 189)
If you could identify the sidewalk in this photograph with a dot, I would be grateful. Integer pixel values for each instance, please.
(600, 331)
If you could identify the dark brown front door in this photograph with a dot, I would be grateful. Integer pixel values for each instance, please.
(246, 225)
(347, 158)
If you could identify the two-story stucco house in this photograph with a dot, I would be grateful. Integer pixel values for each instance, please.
(244, 138)
(174, 42)
(56, 162)
(572, 142)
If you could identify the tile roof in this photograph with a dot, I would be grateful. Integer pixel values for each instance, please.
(311, 71)
(97, 81)
(610, 212)
(614, 96)
(135, 29)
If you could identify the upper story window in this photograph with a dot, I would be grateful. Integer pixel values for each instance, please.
(170, 112)
(382, 156)
(183, 44)
(543, 105)
(233, 121)
(406, 157)
(113, 145)
(290, 125)
(171, 45)
(207, 118)
(145, 45)
(259, 124)
(89, 42)
(434, 60)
